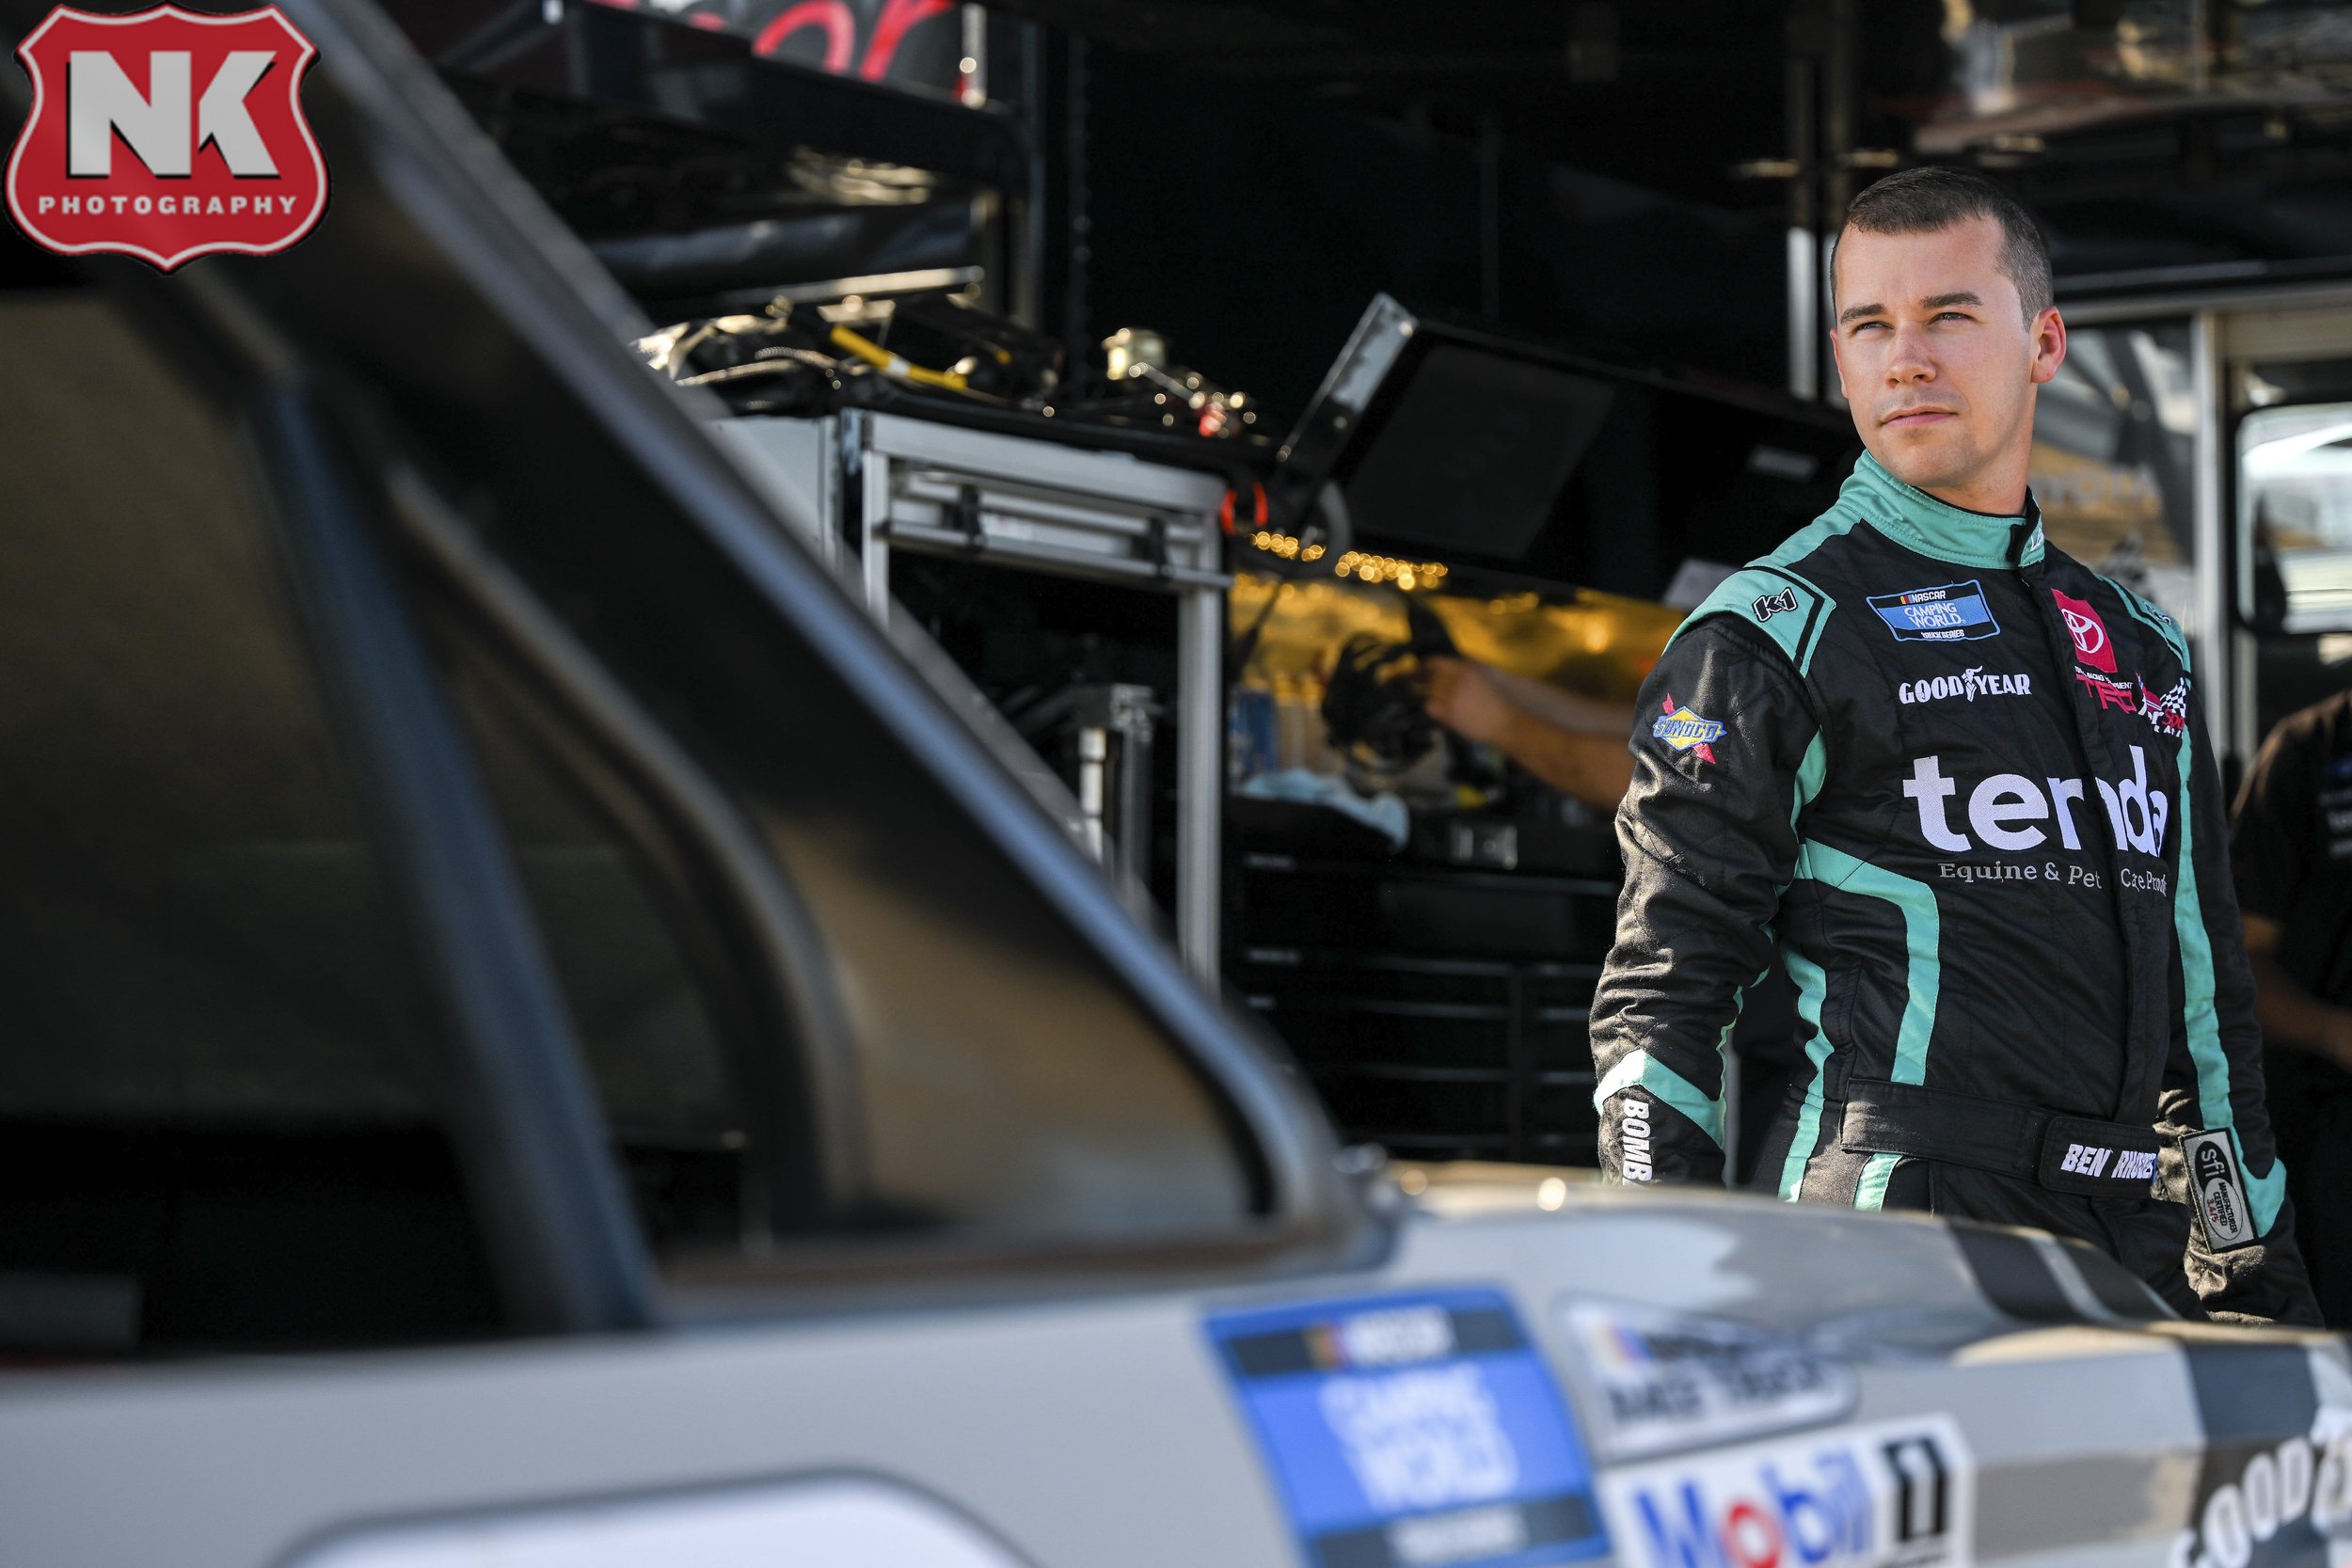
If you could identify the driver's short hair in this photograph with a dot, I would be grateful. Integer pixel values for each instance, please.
(1922, 201)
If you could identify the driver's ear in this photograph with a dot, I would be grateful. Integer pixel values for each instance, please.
(2049, 344)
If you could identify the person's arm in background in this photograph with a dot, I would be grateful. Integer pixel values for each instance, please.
(2215, 1080)
(1569, 710)
(1709, 835)
(2271, 851)
(2287, 1012)
(1483, 705)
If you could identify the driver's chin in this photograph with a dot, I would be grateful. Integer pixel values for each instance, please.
(1939, 458)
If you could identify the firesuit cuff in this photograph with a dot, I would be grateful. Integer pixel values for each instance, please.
(2264, 1193)
(1642, 1071)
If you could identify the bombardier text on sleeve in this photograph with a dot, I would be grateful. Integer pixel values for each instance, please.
(1956, 783)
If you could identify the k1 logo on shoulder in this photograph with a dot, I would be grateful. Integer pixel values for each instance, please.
(1894, 1494)
(166, 135)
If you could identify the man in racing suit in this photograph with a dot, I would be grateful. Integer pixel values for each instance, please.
(1959, 785)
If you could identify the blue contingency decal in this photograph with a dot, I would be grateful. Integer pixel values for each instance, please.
(1955, 612)
(1414, 1431)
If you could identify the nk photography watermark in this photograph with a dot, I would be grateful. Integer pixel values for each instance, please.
(166, 135)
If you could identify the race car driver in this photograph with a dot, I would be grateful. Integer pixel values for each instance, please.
(1957, 785)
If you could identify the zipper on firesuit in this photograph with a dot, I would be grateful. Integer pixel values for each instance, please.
(2094, 748)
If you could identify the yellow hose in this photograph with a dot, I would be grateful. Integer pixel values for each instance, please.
(891, 365)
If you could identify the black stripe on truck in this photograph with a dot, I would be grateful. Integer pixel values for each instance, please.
(2013, 1274)
(2119, 1291)
(2016, 1274)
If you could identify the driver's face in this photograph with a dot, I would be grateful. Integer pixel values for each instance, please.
(1937, 361)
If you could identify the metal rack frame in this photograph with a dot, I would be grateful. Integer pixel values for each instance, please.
(891, 483)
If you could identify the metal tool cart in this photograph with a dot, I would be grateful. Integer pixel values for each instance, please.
(890, 485)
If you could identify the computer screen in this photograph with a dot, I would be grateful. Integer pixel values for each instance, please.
(1473, 452)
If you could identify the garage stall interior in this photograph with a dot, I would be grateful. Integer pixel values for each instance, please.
(1173, 381)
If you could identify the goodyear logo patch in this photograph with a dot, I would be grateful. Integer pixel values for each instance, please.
(1686, 731)
(1955, 612)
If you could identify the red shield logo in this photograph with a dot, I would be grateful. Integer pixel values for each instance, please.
(166, 135)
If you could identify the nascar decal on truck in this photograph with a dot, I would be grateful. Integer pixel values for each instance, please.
(1891, 1494)
(1664, 1381)
(1413, 1431)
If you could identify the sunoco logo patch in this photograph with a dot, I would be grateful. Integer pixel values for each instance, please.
(1686, 731)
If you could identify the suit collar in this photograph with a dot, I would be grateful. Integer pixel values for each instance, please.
(1918, 521)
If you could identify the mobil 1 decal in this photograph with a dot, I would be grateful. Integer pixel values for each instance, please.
(1417, 1428)
(1954, 612)
(2274, 1489)
(1889, 1494)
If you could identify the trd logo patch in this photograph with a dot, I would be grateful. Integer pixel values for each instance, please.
(165, 136)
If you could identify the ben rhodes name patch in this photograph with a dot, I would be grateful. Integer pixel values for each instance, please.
(1955, 612)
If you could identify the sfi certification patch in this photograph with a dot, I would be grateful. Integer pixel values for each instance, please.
(1413, 1431)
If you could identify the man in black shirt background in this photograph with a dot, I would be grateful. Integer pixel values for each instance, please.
(2292, 852)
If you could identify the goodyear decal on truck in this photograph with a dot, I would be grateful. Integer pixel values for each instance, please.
(2274, 1489)
(1412, 1431)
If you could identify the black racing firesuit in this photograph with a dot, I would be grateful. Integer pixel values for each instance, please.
(1957, 783)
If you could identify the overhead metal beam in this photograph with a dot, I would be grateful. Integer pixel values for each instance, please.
(636, 60)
